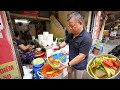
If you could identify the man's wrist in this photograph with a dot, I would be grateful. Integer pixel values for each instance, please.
(69, 64)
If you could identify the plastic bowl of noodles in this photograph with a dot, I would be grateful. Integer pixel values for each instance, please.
(99, 68)
(55, 64)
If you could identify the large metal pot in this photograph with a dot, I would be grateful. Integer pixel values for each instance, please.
(60, 76)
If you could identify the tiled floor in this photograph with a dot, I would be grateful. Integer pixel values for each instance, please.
(107, 47)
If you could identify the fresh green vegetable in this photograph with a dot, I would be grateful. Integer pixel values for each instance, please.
(110, 71)
(105, 58)
(56, 64)
(100, 67)
(97, 63)
(92, 73)
(114, 59)
(94, 66)
(98, 60)
(61, 58)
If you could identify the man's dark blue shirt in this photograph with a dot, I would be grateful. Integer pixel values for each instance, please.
(80, 44)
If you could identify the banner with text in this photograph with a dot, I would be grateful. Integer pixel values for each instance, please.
(8, 63)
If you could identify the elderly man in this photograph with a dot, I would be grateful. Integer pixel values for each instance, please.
(80, 42)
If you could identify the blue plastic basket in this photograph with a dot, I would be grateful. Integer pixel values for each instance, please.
(60, 56)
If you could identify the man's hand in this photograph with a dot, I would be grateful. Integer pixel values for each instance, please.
(63, 66)
(56, 48)
(63, 44)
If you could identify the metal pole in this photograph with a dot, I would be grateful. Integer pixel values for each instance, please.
(89, 21)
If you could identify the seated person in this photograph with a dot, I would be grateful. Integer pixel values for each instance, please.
(24, 51)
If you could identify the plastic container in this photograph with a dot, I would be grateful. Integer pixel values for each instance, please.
(42, 76)
(59, 56)
(37, 68)
(56, 66)
(96, 51)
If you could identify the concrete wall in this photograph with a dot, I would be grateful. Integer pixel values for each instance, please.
(32, 29)
(63, 17)
(85, 16)
(55, 31)
(48, 25)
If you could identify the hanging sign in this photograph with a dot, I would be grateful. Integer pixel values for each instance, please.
(30, 13)
(8, 62)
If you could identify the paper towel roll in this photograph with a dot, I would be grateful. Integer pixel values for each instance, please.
(44, 43)
(45, 35)
(49, 52)
(40, 38)
(50, 39)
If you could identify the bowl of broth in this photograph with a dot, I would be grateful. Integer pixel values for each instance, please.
(103, 67)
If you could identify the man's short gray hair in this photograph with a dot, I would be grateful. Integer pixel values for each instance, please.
(76, 16)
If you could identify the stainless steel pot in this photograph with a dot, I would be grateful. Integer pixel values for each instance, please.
(113, 77)
(60, 76)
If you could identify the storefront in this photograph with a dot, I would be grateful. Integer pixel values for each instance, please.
(45, 43)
